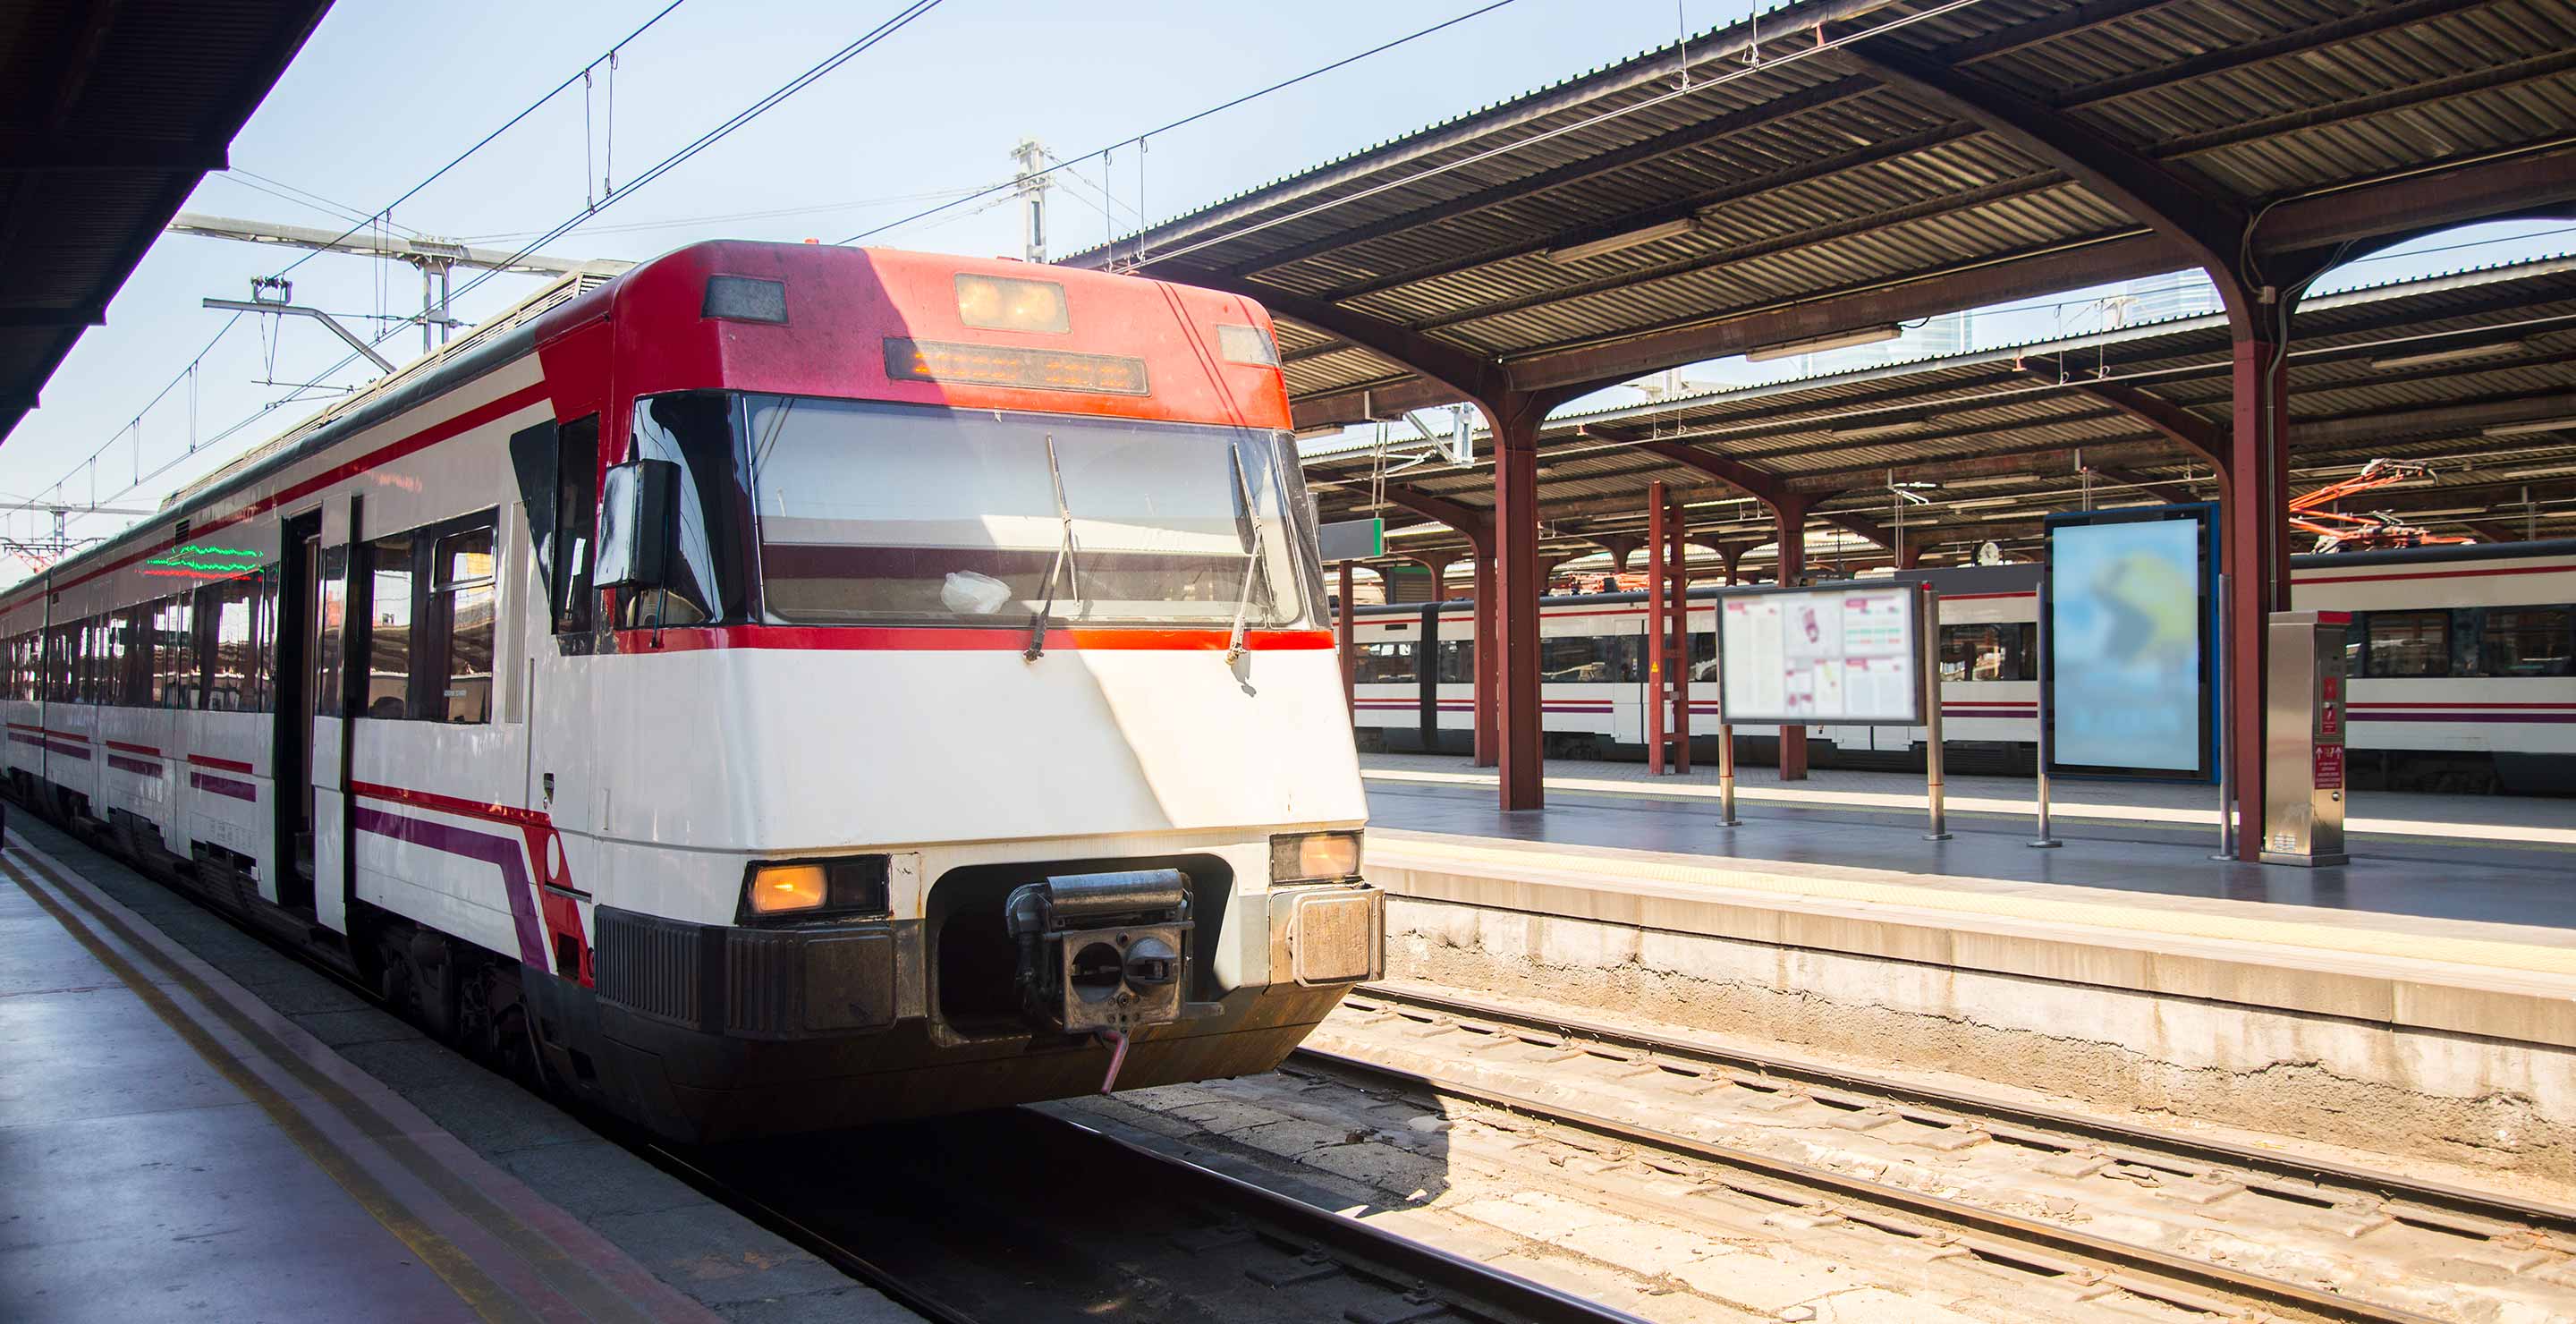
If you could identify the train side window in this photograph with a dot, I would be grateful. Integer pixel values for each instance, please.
(460, 616)
(134, 680)
(1589, 659)
(228, 631)
(2527, 641)
(1457, 662)
(389, 635)
(1386, 663)
(2409, 644)
(104, 658)
(176, 676)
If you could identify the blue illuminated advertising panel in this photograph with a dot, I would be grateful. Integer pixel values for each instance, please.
(2131, 677)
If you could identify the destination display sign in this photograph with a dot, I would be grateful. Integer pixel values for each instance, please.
(1841, 654)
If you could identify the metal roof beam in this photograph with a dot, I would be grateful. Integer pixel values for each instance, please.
(2064, 23)
(2368, 22)
(1768, 488)
(2210, 228)
(1575, 95)
(1972, 284)
(1469, 377)
(2171, 421)
(1575, 172)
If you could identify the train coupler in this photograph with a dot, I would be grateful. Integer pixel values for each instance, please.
(1102, 953)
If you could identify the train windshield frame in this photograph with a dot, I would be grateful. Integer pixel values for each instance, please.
(871, 512)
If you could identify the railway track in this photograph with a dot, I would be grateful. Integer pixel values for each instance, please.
(1025, 1215)
(2116, 1209)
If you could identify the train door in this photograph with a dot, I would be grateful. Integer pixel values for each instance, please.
(291, 734)
(318, 709)
(558, 475)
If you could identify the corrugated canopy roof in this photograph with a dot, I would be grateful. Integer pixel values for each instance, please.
(1843, 163)
(110, 112)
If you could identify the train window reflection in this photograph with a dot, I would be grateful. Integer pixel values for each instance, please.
(876, 512)
(389, 628)
(462, 608)
(2410, 643)
(2005, 650)
(1386, 663)
(2527, 641)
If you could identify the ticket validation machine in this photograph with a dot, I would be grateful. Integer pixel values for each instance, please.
(2303, 731)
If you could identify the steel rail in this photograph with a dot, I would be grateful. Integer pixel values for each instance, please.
(2140, 1270)
(2432, 1195)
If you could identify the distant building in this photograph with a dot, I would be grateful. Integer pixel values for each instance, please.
(2174, 294)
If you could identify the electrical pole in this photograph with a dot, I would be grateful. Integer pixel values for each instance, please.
(1032, 189)
(436, 260)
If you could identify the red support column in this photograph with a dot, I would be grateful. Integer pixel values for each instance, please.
(1680, 647)
(1489, 684)
(1516, 592)
(1659, 635)
(1790, 515)
(2256, 556)
(1350, 654)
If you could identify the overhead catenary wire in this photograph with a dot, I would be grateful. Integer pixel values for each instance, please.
(1183, 122)
(901, 19)
(480, 143)
(887, 28)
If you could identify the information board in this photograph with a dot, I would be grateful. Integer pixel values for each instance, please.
(2129, 678)
(1844, 654)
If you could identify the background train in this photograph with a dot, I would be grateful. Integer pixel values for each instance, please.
(2459, 659)
(776, 687)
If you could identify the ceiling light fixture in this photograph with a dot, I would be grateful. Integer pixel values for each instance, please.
(1646, 234)
(2426, 359)
(2526, 429)
(1867, 335)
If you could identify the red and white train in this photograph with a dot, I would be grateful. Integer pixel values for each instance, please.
(774, 687)
(2459, 658)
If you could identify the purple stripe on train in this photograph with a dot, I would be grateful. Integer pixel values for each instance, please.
(223, 786)
(506, 852)
(139, 767)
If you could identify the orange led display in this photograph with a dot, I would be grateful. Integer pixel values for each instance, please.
(994, 365)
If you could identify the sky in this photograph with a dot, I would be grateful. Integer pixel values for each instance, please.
(378, 99)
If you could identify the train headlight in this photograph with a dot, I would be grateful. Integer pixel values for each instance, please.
(785, 888)
(810, 889)
(1314, 857)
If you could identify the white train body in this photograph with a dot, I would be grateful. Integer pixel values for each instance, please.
(548, 813)
(2460, 667)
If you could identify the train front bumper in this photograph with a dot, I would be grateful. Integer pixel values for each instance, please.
(724, 1031)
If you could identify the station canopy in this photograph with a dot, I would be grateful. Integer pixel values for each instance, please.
(110, 113)
(1841, 167)
(2471, 373)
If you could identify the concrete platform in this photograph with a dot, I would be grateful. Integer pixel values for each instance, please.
(180, 1141)
(2419, 1001)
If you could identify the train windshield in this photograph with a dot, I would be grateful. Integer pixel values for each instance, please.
(874, 512)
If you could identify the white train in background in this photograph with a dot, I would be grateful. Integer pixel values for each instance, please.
(2459, 659)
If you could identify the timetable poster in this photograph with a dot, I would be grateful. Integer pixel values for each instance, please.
(1827, 655)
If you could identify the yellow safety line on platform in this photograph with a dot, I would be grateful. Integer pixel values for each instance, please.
(575, 1283)
(1441, 852)
(1825, 799)
(453, 1266)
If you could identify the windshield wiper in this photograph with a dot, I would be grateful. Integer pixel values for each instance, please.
(1252, 566)
(1063, 567)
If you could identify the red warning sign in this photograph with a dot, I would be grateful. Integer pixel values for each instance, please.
(2333, 686)
(2329, 768)
(2330, 719)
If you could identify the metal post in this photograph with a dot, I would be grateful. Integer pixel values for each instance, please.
(2226, 704)
(1725, 728)
(1344, 628)
(1681, 649)
(1931, 646)
(1658, 634)
(2047, 747)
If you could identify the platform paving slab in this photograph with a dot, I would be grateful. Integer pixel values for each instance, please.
(652, 1247)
